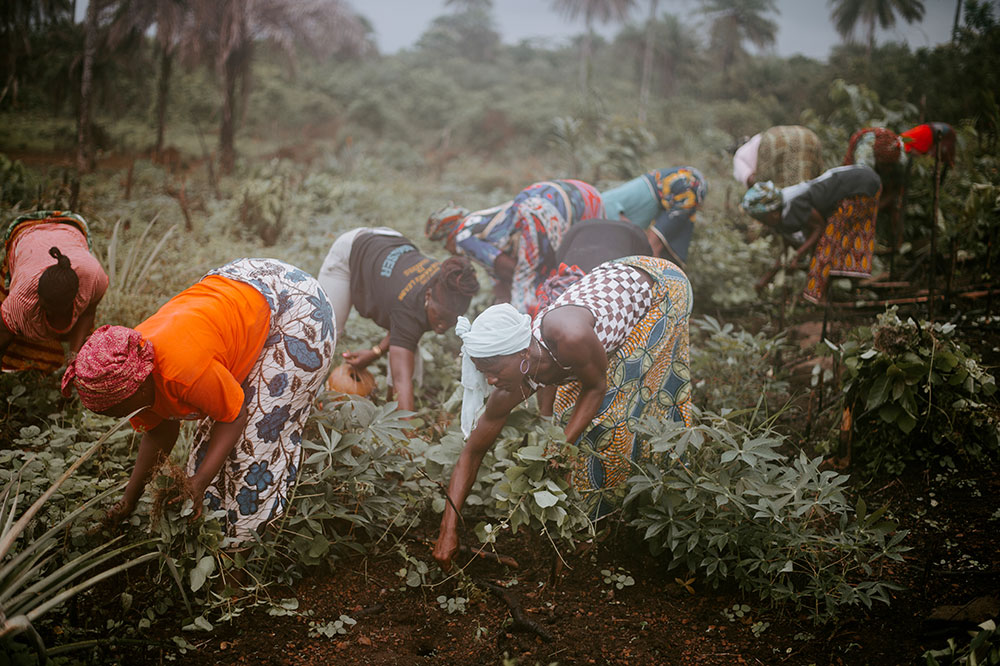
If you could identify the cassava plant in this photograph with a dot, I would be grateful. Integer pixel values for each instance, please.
(720, 501)
(354, 488)
(734, 369)
(918, 393)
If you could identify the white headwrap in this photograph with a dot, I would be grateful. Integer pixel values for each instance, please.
(498, 331)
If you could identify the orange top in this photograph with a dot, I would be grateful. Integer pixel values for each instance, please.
(206, 340)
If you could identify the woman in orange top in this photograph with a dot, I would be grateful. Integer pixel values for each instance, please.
(245, 350)
(50, 285)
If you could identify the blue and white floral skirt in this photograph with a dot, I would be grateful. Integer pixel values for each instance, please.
(253, 484)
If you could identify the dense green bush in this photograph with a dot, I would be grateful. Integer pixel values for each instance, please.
(523, 481)
(722, 503)
(734, 369)
(918, 393)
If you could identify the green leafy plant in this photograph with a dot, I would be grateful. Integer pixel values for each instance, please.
(32, 580)
(734, 369)
(720, 499)
(333, 628)
(530, 487)
(617, 578)
(737, 612)
(982, 650)
(452, 604)
(353, 489)
(521, 483)
(415, 572)
(918, 393)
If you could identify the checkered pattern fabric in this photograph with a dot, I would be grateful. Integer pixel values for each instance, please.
(616, 294)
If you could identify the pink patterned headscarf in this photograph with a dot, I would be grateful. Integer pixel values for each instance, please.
(111, 365)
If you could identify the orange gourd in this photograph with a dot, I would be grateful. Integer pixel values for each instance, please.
(354, 381)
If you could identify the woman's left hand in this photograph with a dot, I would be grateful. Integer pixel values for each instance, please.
(189, 492)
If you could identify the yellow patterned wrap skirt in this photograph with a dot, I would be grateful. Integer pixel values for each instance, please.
(649, 375)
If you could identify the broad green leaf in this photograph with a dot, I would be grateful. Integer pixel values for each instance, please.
(545, 499)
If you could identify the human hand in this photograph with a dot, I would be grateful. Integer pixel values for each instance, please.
(189, 492)
(360, 359)
(445, 548)
(113, 517)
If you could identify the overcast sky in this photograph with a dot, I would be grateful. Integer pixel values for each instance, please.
(804, 25)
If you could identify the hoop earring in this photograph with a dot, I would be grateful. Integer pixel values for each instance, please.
(525, 366)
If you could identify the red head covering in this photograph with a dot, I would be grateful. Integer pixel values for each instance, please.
(919, 139)
(111, 365)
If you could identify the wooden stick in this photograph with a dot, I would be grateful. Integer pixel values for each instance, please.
(521, 620)
(911, 300)
(934, 216)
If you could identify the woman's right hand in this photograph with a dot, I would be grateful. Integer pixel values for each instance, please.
(360, 359)
(114, 516)
(446, 547)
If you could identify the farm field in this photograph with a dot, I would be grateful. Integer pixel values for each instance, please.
(833, 502)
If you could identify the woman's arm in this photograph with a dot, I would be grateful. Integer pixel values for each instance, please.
(221, 441)
(362, 359)
(401, 362)
(483, 436)
(82, 328)
(154, 447)
(570, 331)
(816, 224)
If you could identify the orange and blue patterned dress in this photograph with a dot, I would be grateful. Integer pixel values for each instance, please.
(644, 329)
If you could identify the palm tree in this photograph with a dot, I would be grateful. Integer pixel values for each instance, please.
(601, 10)
(738, 21)
(84, 151)
(20, 23)
(171, 18)
(226, 32)
(467, 32)
(647, 62)
(676, 55)
(847, 14)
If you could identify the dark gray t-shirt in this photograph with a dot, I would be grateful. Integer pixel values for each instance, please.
(389, 282)
(592, 242)
(825, 193)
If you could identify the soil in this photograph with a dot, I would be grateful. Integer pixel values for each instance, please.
(582, 620)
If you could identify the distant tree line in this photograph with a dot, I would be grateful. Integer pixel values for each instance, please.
(460, 85)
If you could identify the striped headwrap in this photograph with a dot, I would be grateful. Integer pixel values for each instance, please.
(111, 365)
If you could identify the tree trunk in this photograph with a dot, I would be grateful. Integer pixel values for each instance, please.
(871, 38)
(227, 130)
(84, 150)
(647, 63)
(585, 59)
(954, 26)
(162, 90)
